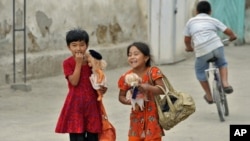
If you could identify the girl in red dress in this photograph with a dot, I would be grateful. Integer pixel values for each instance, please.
(144, 124)
(80, 115)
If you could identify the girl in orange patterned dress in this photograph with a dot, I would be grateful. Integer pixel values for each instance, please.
(144, 124)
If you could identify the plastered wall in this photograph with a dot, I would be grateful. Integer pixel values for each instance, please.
(110, 23)
(107, 22)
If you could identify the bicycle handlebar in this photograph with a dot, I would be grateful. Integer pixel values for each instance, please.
(225, 40)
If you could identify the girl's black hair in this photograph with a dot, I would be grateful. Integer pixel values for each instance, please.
(77, 34)
(203, 7)
(144, 48)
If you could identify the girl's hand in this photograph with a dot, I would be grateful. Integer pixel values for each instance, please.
(79, 57)
(140, 95)
(143, 87)
(103, 89)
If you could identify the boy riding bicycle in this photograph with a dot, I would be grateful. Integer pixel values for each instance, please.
(201, 31)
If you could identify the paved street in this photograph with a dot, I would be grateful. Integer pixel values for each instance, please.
(32, 116)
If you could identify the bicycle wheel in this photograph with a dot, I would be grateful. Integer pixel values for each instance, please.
(218, 101)
(224, 102)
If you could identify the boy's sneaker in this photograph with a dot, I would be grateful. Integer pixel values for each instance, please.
(228, 90)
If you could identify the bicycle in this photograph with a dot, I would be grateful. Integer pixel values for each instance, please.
(218, 94)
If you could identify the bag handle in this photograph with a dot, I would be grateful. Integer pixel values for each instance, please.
(165, 80)
(169, 102)
(169, 89)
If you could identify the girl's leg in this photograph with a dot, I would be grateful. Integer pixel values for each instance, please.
(77, 136)
(139, 139)
(159, 139)
(135, 139)
(92, 136)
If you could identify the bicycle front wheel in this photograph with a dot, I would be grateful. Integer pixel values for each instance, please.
(224, 102)
(218, 101)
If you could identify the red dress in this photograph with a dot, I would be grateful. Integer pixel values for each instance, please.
(81, 110)
(144, 124)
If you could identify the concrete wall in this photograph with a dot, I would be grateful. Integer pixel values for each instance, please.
(111, 24)
(166, 23)
(108, 21)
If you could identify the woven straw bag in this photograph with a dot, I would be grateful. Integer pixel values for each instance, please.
(174, 107)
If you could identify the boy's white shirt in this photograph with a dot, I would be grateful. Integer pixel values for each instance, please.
(203, 29)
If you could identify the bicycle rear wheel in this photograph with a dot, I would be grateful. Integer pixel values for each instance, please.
(218, 100)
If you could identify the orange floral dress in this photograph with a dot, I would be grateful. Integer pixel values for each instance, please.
(144, 124)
